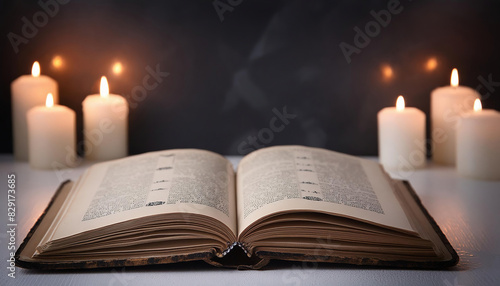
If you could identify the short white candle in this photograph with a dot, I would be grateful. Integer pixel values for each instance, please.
(478, 144)
(28, 91)
(448, 103)
(105, 125)
(51, 135)
(401, 137)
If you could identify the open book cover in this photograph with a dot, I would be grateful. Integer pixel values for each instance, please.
(286, 202)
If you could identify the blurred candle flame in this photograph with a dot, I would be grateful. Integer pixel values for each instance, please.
(35, 70)
(431, 64)
(454, 78)
(387, 71)
(49, 102)
(400, 103)
(57, 62)
(117, 68)
(104, 90)
(477, 105)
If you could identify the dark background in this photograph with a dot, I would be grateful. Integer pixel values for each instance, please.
(227, 74)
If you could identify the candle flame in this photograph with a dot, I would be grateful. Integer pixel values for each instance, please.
(477, 105)
(57, 62)
(431, 64)
(454, 78)
(104, 87)
(117, 68)
(35, 70)
(49, 102)
(387, 71)
(400, 103)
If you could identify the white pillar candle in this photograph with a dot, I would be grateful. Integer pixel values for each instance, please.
(448, 103)
(401, 137)
(105, 125)
(478, 144)
(28, 91)
(51, 135)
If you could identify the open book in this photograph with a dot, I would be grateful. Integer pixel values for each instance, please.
(286, 202)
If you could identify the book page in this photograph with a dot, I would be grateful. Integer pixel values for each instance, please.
(289, 178)
(176, 181)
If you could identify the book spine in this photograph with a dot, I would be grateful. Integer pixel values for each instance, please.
(231, 246)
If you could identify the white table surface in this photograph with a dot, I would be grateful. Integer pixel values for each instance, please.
(467, 211)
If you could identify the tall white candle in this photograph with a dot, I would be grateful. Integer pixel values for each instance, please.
(28, 91)
(401, 137)
(105, 125)
(478, 144)
(448, 103)
(51, 135)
